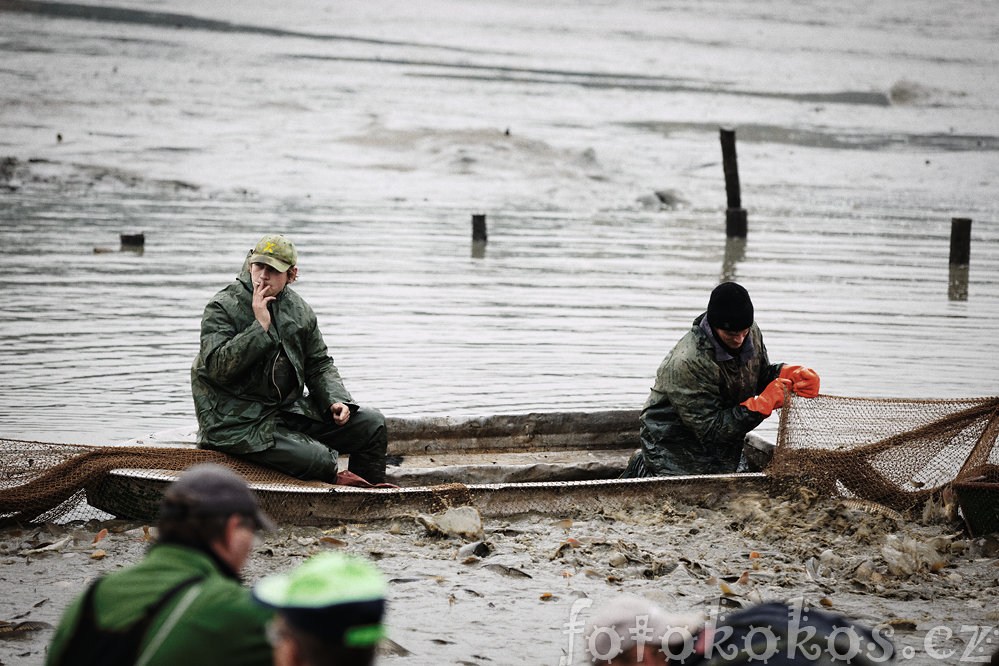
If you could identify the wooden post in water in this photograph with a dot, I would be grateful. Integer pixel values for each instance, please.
(960, 241)
(735, 215)
(132, 240)
(478, 228)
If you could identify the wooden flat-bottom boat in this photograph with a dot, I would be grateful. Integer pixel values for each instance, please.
(556, 462)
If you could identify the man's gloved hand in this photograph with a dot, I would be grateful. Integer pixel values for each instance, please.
(771, 398)
(804, 381)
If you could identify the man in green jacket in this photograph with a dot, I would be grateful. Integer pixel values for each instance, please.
(183, 603)
(715, 386)
(260, 349)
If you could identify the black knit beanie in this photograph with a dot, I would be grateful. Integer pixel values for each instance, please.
(729, 307)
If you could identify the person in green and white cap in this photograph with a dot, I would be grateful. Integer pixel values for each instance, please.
(329, 611)
(264, 385)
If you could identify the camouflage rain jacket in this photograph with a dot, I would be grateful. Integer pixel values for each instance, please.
(693, 422)
(212, 622)
(244, 376)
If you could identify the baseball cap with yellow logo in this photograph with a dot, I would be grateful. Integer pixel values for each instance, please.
(276, 251)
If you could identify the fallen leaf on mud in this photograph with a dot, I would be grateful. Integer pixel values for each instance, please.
(900, 624)
(695, 569)
(58, 545)
(55, 530)
(387, 647)
(98, 555)
(658, 569)
(568, 544)
(744, 578)
(547, 596)
(731, 602)
(754, 555)
(330, 541)
(631, 551)
(462, 521)
(564, 524)
(817, 572)
(144, 535)
(826, 601)
(100, 536)
(478, 549)
(618, 560)
(507, 571)
(10, 630)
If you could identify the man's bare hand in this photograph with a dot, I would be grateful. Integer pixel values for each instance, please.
(260, 301)
(341, 413)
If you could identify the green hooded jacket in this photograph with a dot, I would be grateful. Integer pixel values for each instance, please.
(693, 422)
(244, 376)
(214, 622)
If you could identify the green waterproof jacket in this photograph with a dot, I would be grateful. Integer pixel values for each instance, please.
(245, 376)
(214, 622)
(693, 422)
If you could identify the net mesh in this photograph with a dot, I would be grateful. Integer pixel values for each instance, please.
(894, 453)
(46, 482)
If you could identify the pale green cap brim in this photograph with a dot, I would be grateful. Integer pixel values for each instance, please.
(273, 262)
(332, 594)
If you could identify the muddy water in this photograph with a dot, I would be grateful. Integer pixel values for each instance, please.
(564, 310)
(371, 137)
(370, 134)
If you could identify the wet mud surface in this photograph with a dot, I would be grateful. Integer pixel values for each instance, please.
(507, 594)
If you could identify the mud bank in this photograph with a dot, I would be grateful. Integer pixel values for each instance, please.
(510, 597)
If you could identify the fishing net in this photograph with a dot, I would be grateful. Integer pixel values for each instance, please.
(892, 453)
(45, 482)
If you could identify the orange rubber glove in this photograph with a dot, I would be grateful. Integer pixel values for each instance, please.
(804, 381)
(771, 398)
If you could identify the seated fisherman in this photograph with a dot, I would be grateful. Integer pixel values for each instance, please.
(260, 349)
(715, 386)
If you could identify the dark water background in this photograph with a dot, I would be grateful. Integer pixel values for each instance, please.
(371, 132)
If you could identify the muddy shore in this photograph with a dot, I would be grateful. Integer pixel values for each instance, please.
(508, 599)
